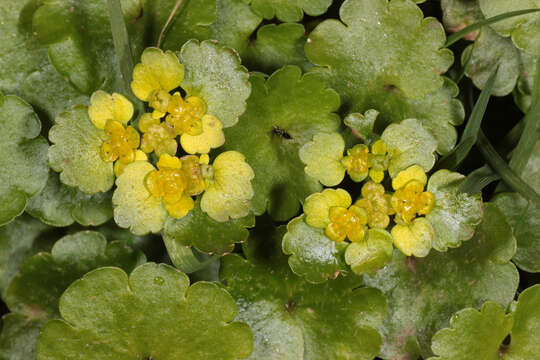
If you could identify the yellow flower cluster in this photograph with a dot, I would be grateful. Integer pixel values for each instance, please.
(331, 210)
(226, 183)
(360, 162)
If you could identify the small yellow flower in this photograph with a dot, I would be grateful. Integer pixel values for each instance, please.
(104, 107)
(377, 205)
(317, 206)
(346, 223)
(185, 116)
(155, 76)
(169, 183)
(120, 166)
(157, 136)
(410, 199)
(357, 162)
(228, 187)
(211, 137)
(331, 210)
(360, 162)
(121, 144)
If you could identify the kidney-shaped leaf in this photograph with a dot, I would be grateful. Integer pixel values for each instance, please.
(152, 314)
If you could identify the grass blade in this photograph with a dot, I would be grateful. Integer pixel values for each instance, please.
(473, 27)
(121, 42)
(468, 139)
(497, 163)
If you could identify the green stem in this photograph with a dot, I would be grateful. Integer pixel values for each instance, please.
(169, 19)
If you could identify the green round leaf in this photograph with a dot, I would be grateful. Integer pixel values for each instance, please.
(21, 52)
(473, 334)
(525, 220)
(43, 277)
(458, 14)
(364, 61)
(34, 293)
(146, 316)
(81, 45)
(20, 239)
(134, 207)
(313, 256)
(371, 255)
(525, 338)
(277, 46)
(423, 293)
(49, 92)
(220, 80)
(61, 205)
(479, 335)
(294, 319)
(283, 113)
(205, 234)
(24, 156)
(456, 214)
(76, 152)
(489, 52)
(289, 10)
(524, 29)
(409, 144)
(234, 24)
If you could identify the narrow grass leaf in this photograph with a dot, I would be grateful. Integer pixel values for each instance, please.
(468, 139)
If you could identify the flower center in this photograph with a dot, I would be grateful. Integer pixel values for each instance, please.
(121, 143)
(411, 200)
(357, 160)
(185, 116)
(159, 100)
(346, 223)
(377, 205)
(167, 184)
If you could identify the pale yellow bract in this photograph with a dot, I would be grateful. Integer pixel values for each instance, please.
(317, 206)
(157, 70)
(322, 157)
(134, 207)
(104, 107)
(414, 172)
(228, 188)
(415, 238)
(120, 166)
(212, 137)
